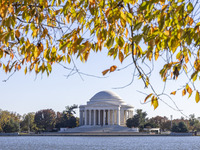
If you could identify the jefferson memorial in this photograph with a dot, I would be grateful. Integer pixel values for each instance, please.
(105, 108)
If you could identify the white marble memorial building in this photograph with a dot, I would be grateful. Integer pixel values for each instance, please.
(105, 108)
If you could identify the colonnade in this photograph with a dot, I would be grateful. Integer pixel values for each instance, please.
(103, 116)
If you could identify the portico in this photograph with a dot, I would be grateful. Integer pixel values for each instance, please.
(105, 108)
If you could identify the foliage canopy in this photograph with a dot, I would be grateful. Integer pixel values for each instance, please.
(37, 33)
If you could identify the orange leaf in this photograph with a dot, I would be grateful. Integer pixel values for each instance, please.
(189, 90)
(105, 71)
(174, 92)
(121, 56)
(18, 67)
(126, 34)
(183, 92)
(191, 21)
(148, 96)
(186, 59)
(113, 68)
(107, 11)
(17, 33)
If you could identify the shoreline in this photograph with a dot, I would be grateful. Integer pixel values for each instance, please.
(93, 134)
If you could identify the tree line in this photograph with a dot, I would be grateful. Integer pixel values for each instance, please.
(141, 121)
(45, 120)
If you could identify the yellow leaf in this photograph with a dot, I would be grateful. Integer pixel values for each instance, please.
(167, 33)
(135, 52)
(183, 92)
(148, 96)
(25, 70)
(10, 9)
(92, 1)
(197, 97)
(105, 71)
(164, 7)
(68, 59)
(126, 34)
(36, 67)
(174, 93)
(154, 102)
(113, 68)
(162, 2)
(156, 54)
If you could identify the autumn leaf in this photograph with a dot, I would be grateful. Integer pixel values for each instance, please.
(121, 56)
(113, 68)
(25, 70)
(156, 54)
(17, 33)
(183, 92)
(18, 67)
(154, 102)
(148, 96)
(126, 34)
(197, 97)
(105, 71)
(189, 90)
(173, 93)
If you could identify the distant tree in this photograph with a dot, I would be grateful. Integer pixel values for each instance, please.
(138, 120)
(194, 123)
(67, 118)
(70, 110)
(27, 123)
(166, 126)
(45, 119)
(9, 121)
(181, 127)
(129, 123)
(150, 125)
(11, 126)
(175, 128)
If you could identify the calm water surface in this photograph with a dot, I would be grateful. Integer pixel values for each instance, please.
(99, 143)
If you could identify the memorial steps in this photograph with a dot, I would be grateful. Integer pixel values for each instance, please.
(107, 128)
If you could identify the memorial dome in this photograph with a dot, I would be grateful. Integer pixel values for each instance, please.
(107, 96)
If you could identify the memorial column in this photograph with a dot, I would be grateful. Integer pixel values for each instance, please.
(94, 117)
(108, 117)
(85, 116)
(90, 117)
(113, 117)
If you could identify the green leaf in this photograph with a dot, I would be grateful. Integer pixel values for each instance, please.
(121, 41)
(144, 5)
(138, 26)
(49, 67)
(190, 7)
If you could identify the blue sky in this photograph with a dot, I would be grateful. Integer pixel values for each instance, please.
(28, 93)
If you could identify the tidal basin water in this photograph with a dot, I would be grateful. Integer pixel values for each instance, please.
(99, 143)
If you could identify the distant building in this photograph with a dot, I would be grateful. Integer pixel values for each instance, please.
(105, 108)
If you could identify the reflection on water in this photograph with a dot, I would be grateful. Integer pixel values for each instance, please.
(99, 143)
